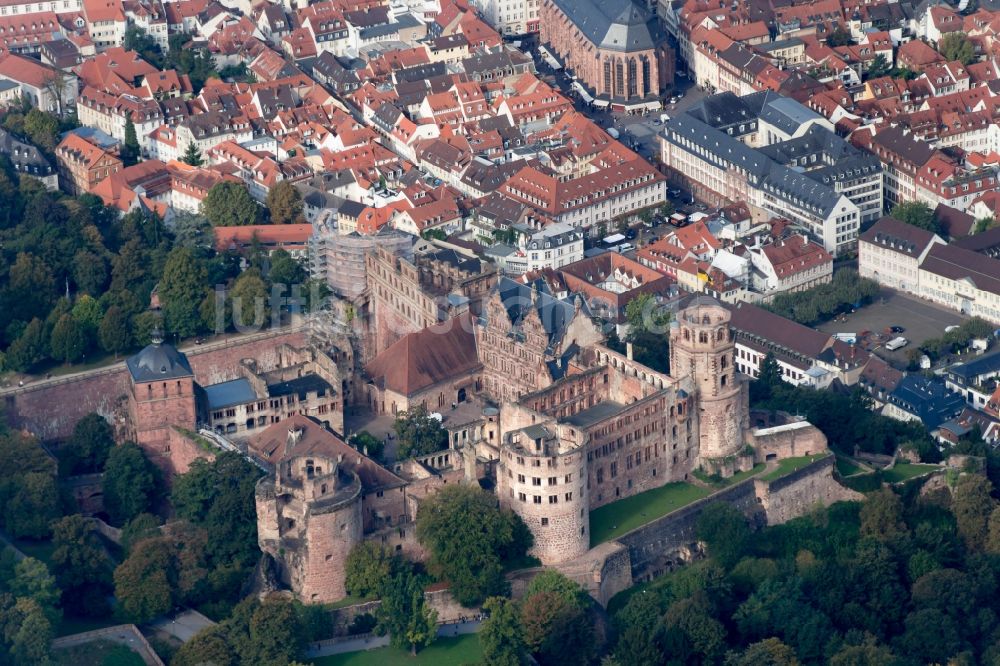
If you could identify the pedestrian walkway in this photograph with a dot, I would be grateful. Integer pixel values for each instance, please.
(373, 642)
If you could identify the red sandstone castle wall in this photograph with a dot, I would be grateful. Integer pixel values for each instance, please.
(51, 409)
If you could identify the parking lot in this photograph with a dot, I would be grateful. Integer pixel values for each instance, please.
(920, 319)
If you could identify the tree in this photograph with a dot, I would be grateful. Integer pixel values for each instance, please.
(181, 291)
(972, 506)
(273, 635)
(32, 580)
(31, 287)
(192, 155)
(209, 646)
(87, 312)
(59, 87)
(113, 331)
(42, 128)
(32, 506)
(130, 147)
(32, 633)
(636, 625)
(916, 213)
(285, 269)
(882, 516)
(284, 203)
(90, 272)
(68, 342)
(81, 566)
(418, 433)
(501, 635)
(468, 537)
(141, 527)
(839, 37)
(768, 652)
(29, 349)
(878, 67)
(249, 300)
(88, 448)
(369, 567)
(957, 46)
(143, 581)
(556, 629)
(404, 613)
(644, 314)
(229, 204)
(191, 230)
(217, 496)
(690, 633)
(983, 223)
(768, 379)
(724, 529)
(130, 483)
(368, 444)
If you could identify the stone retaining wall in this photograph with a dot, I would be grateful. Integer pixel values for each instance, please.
(50, 408)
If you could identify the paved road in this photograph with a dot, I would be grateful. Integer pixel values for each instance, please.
(325, 648)
(182, 626)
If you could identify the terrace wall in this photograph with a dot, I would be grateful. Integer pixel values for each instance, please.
(665, 543)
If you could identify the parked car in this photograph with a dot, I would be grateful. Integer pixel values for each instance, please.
(897, 329)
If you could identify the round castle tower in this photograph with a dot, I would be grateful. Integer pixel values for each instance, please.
(545, 482)
(701, 349)
(308, 519)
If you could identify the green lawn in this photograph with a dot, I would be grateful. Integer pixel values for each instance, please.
(348, 601)
(77, 625)
(613, 520)
(906, 471)
(847, 467)
(454, 651)
(789, 465)
(719, 482)
(97, 653)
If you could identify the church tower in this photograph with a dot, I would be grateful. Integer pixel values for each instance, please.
(701, 349)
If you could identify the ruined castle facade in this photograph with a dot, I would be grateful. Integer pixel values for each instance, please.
(614, 428)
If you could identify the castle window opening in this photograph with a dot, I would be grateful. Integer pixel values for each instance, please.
(537, 499)
(545, 521)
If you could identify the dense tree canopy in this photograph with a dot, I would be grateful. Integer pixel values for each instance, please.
(284, 203)
(418, 433)
(88, 448)
(370, 566)
(469, 536)
(825, 301)
(916, 213)
(131, 483)
(29, 496)
(957, 46)
(229, 204)
(81, 566)
(901, 578)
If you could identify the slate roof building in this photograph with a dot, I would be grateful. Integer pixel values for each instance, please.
(917, 398)
(615, 48)
(781, 160)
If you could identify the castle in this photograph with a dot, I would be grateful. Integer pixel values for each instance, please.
(559, 423)
(535, 406)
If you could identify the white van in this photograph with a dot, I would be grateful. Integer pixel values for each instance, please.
(896, 343)
(625, 247)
